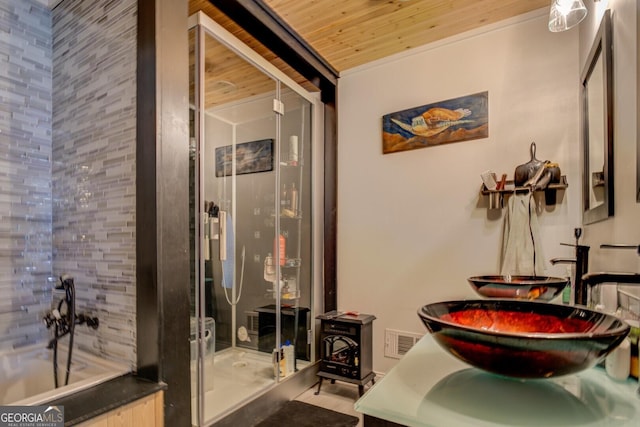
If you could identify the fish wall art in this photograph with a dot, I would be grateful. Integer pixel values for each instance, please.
(454, 120)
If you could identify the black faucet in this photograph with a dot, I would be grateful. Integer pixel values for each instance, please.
(582, 266)
(596, 278)
(64, 324)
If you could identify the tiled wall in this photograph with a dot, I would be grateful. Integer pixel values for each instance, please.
(25, 171)
(67, 173)
(94, 146)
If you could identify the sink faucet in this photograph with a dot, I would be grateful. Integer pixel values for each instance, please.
(581, 262)
(592, 279)
(596, 278)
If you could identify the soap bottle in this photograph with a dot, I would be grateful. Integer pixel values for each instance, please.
(567, 292)
(289, 357)
(618, 362)
(269, 268)
(278, 362)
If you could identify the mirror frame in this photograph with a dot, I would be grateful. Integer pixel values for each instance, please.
(638, 122)
(600, 50)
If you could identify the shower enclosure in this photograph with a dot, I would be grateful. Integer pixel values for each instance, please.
(252, 234)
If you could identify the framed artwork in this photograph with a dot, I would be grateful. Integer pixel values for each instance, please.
(251, 157)
(454, 120)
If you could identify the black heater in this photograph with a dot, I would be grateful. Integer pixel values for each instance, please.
(346, 346)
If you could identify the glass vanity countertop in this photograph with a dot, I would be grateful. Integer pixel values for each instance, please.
(429, 387)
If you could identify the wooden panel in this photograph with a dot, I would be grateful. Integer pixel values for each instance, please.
(214, 13)
(348, 33)
(146, 412)
(101, 421)
(159, 407)
(354, 32)
(121, 418)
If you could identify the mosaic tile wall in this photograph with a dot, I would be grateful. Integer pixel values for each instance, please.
(25, 171)
(94, 146)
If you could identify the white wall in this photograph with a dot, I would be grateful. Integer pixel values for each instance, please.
(412, 226)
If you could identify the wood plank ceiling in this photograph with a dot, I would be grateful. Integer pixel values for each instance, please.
(350, 33)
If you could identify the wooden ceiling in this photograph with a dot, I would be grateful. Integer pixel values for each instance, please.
(350, 33)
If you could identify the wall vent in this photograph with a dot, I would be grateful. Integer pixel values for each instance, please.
(398, 343)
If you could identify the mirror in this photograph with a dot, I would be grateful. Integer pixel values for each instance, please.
(597, 127)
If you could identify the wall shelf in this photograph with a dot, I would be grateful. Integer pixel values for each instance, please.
(496, 196)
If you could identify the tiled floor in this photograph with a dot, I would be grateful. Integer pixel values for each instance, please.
(339, 397)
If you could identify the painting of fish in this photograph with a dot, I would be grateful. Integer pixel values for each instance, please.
(454, 120)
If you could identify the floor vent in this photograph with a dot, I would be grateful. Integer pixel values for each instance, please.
(398, 343)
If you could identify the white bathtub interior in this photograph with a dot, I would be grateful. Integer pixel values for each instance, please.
(26, 374)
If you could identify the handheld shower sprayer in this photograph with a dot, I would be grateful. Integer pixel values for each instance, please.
(237, 299)
(64, 323)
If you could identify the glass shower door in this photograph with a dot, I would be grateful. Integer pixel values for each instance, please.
(251, 197)
(234, 210)
(295, 290)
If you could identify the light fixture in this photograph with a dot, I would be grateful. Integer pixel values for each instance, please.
(565, 14)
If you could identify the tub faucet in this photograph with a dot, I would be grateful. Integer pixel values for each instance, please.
(64, 323)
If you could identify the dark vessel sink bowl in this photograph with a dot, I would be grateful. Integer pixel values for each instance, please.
(523, 339)
(519, 287)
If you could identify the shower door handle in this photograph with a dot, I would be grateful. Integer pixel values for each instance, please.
(205, 226)
(222, 217)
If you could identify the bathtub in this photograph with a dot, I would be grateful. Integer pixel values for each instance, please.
(26, 374)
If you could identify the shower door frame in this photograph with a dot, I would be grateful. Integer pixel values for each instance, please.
(202, 25)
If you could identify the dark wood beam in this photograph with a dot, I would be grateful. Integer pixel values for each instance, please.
(162, 204)
(255, 17)
(330, 208)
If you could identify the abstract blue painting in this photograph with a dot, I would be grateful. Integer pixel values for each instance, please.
(251, 157)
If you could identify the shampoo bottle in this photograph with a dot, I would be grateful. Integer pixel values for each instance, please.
(293, 150)
(279, 247)
(289, 357)
(284, 198)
